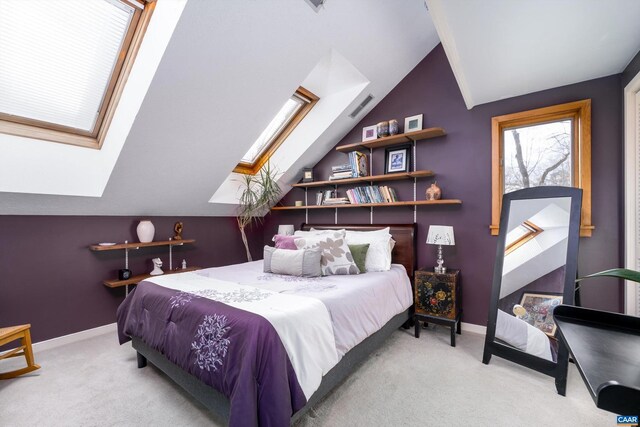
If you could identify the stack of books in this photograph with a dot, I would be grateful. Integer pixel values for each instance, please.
(336, 201)
(372, 194)
(341, 172)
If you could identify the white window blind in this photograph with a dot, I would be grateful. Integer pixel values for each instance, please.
(57, 58)
(282, 119)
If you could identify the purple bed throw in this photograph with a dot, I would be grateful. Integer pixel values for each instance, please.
(234, 351)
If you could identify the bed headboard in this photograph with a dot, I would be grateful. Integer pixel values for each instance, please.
(404, 234)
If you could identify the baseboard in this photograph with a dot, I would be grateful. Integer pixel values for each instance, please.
(78, 336)
(474, 329)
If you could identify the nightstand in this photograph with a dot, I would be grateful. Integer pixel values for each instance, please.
(437, 300)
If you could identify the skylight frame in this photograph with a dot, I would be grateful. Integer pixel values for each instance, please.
(253, 168)
(42, 130)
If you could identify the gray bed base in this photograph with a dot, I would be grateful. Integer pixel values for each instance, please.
(217, 403)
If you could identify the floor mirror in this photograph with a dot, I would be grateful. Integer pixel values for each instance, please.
(535, 271)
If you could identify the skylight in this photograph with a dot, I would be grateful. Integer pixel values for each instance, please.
(287, 118)
(60, 61)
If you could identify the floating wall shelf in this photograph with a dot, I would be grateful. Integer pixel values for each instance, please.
(387, 141)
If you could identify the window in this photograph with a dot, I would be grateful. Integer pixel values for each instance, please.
(289, 116)
(63, 66)
(521, 235)
(546, 146)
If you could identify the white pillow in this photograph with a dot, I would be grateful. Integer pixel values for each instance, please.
(380, 247)
(336, 256)
(315, 232)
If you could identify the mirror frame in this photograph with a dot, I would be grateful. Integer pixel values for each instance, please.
(557, 369)
(580, 113)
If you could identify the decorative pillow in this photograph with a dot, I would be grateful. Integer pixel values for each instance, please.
(284, 242)
(359, 253)
(304, 263)
(380, 247)
(336, 256)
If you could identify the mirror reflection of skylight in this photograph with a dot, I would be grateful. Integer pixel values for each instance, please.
(282, 119)
(57, 58)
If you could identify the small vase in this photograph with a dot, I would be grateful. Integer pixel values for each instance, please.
(393, 127)
(434, 192)
(383, 129)
(145, 231)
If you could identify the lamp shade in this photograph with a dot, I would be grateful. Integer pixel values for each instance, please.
(441, 235)
(285, 230)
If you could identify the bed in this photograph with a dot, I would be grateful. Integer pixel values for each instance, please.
(264, 367)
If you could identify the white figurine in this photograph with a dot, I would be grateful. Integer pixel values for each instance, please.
(184, 264)
(157, 263)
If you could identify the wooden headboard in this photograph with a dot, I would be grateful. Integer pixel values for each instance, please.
(404, 234)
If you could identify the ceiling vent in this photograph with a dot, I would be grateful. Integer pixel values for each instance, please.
(315, 4)
(359, 108)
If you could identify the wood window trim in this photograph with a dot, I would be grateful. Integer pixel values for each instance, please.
(36, 129)
(532, 231)
(252, 169)
(580, 113)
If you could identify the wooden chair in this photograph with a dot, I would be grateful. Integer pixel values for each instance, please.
(13, 333)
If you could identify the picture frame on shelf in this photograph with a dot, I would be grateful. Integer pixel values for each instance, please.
(307, 175)
(539, 310)
(369, 133)
(413, 123)
(397, 159)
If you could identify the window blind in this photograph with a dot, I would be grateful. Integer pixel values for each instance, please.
(57, 58)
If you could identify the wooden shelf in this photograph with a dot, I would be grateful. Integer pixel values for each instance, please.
(387, 141)
(372, 205)
(140, 245)
(141, 277)
(372, 178)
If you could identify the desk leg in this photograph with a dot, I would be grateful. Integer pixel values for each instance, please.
(453, 335)
(459, 327)
(416, 328)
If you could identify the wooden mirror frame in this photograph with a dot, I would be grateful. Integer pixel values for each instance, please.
(557, 369)
(580, 113)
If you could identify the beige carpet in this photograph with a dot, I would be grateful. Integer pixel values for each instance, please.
(408, 382)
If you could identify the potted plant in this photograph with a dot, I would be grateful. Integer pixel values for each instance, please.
(259, 193)
(620, 273)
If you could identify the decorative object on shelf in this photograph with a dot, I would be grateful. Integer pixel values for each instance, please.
(413, 123)
(434, 192)
(145, 231)
(260, 193)
(124, 274)
(394, 127)
(299, 203)
(177, 227)
(307, 175)
(440, 235)
(319, 197)
(397, 159)
(369, 133)
(184, 264)
(286, 230)
(342, 171)
(383, 129)
(157, 263)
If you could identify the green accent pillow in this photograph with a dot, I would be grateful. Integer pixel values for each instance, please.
(359, 254)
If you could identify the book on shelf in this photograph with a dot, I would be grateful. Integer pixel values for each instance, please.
(336, 201)
(341, 175)
(359, 164)
(341, 168)
(372, 194)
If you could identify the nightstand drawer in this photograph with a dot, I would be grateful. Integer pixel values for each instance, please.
(437, 294)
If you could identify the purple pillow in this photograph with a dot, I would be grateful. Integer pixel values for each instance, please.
(285, 242)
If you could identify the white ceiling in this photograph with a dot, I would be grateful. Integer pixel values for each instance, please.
(504, 48)
(227, 70)
(230, 65)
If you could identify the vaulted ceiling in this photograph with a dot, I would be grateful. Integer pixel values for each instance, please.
(229, 66)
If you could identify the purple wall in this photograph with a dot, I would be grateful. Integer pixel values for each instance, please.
(462, 162)
(52, 280)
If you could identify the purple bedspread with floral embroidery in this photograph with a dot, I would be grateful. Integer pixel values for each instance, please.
(234, 351)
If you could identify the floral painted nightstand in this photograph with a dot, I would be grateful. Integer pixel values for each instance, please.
(437, 300)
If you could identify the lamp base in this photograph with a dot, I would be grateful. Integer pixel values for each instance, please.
(440, 269)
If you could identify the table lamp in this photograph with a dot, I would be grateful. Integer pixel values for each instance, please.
(440, 235)
(285, 230)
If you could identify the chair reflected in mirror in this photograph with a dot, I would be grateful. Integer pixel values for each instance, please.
(534, 272)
